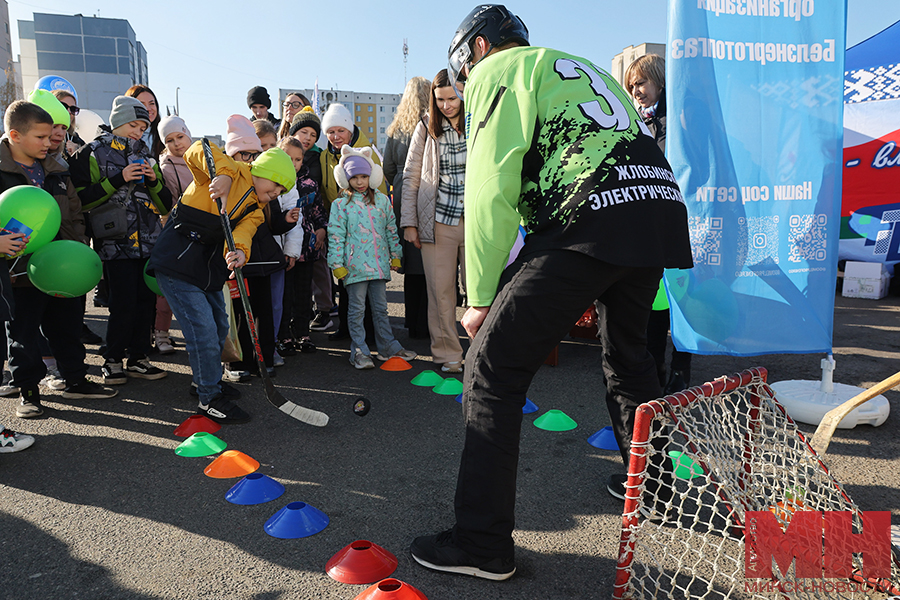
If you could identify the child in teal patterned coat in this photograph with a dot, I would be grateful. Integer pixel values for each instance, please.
(363, 249)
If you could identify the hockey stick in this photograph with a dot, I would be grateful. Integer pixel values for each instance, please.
(833, 417)
(301, 413)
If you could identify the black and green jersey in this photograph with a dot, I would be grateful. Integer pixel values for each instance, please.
(555, 142)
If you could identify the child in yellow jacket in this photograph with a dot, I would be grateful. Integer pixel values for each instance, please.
(191, 262)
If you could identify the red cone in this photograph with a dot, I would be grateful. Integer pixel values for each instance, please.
(391, 589)
(361, 562)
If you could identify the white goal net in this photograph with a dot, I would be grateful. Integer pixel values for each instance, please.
(702, 462)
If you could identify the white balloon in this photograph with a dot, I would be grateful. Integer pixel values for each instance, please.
(87, 123)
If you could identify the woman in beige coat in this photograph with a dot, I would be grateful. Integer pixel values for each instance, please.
(432, 213)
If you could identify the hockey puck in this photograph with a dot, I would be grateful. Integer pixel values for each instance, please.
(361, 406)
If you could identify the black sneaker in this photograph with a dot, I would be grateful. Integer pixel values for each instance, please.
(89, 337)
(30, 405)
(340, 334)
(229, 391)
(306, 346)
(615, 485)
(286, 348)
(7, 390)
(142, 369)
(440, 553)
(113, 373)
(322, 322)
(222, 410)
(88, 389)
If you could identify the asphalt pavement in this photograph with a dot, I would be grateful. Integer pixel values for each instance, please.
(101, 507)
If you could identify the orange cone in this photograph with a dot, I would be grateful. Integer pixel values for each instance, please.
(395, 363)
(231, 463)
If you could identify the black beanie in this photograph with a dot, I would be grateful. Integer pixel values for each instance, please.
(305, 118)
(258, 95)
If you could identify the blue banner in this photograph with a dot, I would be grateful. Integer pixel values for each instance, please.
(755, 91)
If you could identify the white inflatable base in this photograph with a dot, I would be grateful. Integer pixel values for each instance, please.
(806, 403)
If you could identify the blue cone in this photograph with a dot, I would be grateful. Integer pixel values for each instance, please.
(255, 488)
(296, 520)
(530, 407)
(604, 439)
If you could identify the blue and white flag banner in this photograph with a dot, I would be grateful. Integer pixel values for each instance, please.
(754, 119)
(315, 102)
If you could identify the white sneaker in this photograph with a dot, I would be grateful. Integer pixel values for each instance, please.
(53, 379)
(236, 376)
(452, 367)
(10, 441)
(362, 361)
(163, 343)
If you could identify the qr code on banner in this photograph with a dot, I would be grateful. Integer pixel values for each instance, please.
(808, 238)
(706, 240)
(759, 240)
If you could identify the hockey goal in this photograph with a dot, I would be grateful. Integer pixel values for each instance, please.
(700, 461)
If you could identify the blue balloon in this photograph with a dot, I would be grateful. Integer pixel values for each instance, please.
(55, 82)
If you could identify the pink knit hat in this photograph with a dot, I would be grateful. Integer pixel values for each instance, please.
(240, 136)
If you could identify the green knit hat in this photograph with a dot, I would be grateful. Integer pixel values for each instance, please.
(276, 165)
(52, 105)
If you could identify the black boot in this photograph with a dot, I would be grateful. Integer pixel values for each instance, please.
(678, 381)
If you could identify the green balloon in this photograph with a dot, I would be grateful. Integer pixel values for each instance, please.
(65, 269)
(150, 280)
(30, 210)
(661, 302)
(676, 281)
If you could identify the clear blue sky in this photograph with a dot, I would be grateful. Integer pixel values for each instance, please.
(215, 51)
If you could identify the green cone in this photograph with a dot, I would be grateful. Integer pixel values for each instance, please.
(684, 465)
(200, 444)
(448, 387)
(555, 420)
(427, 379)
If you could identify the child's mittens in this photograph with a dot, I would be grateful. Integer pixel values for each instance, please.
(340, 272)
(395, 263)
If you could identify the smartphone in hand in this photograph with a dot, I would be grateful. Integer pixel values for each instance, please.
(137, 161)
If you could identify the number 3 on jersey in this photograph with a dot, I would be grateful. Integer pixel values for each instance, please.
(619, 120)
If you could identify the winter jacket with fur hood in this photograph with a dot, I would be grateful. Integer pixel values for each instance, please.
(362, 237)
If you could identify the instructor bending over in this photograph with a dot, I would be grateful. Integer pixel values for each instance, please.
(551, 139)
